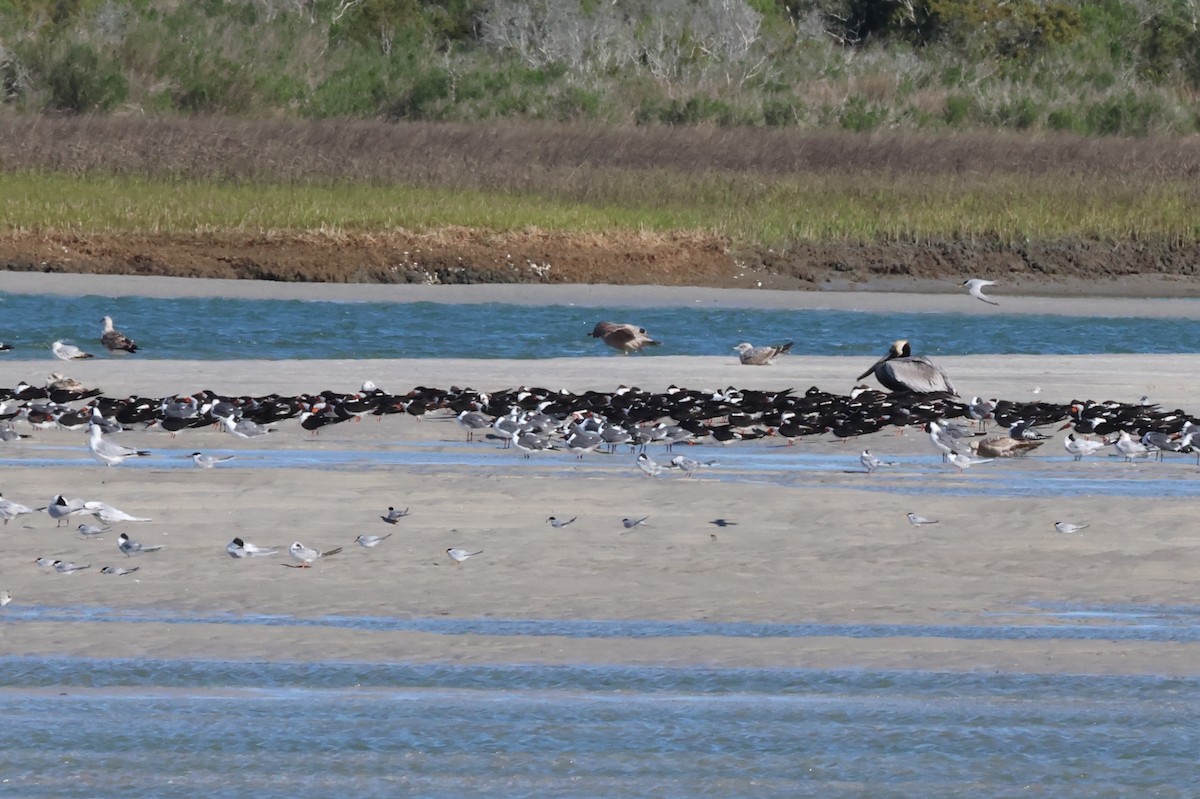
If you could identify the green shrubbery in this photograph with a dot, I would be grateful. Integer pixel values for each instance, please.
(1115, 67)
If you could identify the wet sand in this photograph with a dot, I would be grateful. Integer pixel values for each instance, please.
(829, 549)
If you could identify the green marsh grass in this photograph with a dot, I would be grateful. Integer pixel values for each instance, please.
(750, 209)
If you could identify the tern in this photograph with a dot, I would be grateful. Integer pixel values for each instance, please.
(131, 547)
(110, 453)
(558, 524)
(61, 508)
(750, 355)
(237, 548)
(723, 523)
(963, 462)
(67, 567)
(871, 463)
(1082, 447)
(918, 521)
(108, 514)
(1068, 527)
(370, 541)
(624, 337)
(975, 288)
(115, 341)
(5, 598)
(689, 465)
(632, 523)
(648, 466)
(394, 515)
(91, 530)
(118, 570)
(68, 352)
(208, 461)
(10, 510)
(459, 555)
(306, 555)
(243, 428)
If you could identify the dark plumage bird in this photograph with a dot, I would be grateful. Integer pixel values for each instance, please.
(900, 370)
(115, 341)
(623, 337)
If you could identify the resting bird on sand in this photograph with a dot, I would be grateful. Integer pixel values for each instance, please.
(115, 341)
(900, 370)
(626, 338)
(760, 356)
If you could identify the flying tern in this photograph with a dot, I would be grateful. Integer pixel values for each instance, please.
(975, 287)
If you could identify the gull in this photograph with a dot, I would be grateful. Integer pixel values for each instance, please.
(459, 555)
(917, 521)
(11, 510)
(963, 462)
(237, 548)
(1129, 448)
(394, 515)
(648, 466)
(975, 288)
(370, 541)
(243, 428)
(871, 463)
(632, 523)
(760, 356)
(90, 530)
(306, 555)
(107, 513)
(131, 547)
(118, 570)
(1081, 447)
(68, 352)
(5, 598)
(208, 461)
(560, 523)
(61, 508)
(624, 337)
(472, 421)
(900, 370)
(689, 465)
(115, 341)
(1068, 527)
(110, 453)
(67, 567)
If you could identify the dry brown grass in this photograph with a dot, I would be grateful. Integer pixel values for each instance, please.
(545, 158)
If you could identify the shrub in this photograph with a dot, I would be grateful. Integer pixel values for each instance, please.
(80, 81)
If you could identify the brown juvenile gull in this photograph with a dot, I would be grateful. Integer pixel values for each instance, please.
(1002, 447)
(626, 338)
(760, 356)
(115, 341)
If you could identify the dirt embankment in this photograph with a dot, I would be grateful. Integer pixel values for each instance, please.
(459, 256)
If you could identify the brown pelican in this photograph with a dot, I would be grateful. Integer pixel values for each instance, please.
(760, 356)
(900, 370)
(115, 341)
(626, 338)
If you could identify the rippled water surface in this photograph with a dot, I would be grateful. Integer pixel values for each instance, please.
(217, 328)
(81, 728)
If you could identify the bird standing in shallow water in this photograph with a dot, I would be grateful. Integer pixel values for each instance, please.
(115, 341)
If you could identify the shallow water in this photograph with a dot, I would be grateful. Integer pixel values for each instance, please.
(78, 727)
(218, 328)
